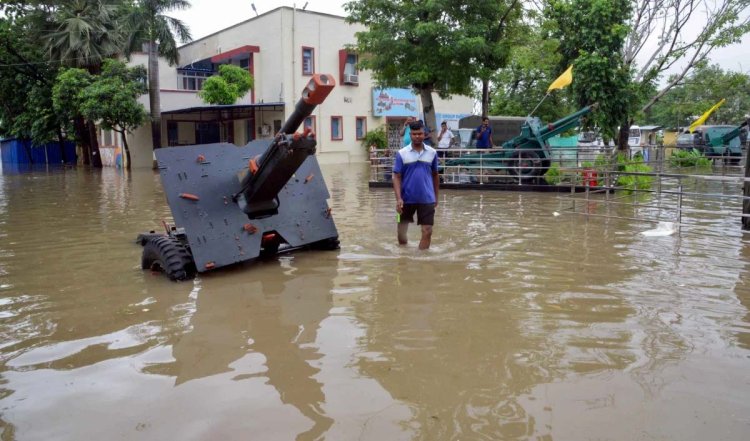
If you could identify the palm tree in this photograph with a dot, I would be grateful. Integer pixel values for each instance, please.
(82, 34)
(148, 25)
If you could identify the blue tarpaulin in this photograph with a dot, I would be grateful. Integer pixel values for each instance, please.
(19, 151)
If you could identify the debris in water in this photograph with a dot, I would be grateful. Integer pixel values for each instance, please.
(663, 229)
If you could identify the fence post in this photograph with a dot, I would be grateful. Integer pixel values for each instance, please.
(481, 168)
(679, 204)
(588, 206)
(746, 192)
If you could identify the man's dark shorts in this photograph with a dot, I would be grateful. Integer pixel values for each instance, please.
(425, 213)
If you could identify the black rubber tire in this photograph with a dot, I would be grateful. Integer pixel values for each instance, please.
(546, 164)
(526, 164)
(170, 256)
(143, 238)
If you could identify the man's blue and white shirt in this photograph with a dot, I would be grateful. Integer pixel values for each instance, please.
(416, 169)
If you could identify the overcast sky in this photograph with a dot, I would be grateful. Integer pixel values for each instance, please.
(208, 16)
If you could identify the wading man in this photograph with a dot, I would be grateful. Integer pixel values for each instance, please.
(415, 182)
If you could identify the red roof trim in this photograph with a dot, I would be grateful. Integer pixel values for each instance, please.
(229, 54)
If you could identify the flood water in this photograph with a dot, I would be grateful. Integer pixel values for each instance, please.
(516, 325)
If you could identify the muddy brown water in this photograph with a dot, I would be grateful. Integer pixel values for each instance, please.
(517, 324)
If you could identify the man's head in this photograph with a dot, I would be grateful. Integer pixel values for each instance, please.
(485, 121)
(417, 133)
(443, 125)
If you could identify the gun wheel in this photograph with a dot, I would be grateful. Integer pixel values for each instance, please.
(527, 164)
(168, 255)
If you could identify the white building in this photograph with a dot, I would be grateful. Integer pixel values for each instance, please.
(281, 49)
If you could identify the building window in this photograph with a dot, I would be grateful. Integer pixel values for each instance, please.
(191, 80)
(310, 123)
(308, 61)
(348, 68)
(172, 133)
(337, 129)
(107, 138)
(361, 127)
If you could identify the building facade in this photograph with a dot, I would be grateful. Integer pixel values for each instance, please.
(282, 49)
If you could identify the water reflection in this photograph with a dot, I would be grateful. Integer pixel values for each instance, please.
(262, 310)
(742, 290)
(465, 332)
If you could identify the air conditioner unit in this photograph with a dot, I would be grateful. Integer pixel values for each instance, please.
(351, 79)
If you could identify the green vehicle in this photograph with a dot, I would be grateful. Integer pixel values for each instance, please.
(715, 141)
(526, 155)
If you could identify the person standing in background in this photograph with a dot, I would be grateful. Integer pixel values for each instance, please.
(483, 134)
(445, 136)
(405, 132)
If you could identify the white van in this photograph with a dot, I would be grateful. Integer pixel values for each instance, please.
(635, 141)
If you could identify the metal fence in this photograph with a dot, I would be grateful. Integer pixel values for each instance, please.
(660, 193)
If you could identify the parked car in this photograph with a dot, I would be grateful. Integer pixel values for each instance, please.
(689, 141)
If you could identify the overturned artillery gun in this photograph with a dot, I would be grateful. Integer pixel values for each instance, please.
(231, 204)
(526, 155)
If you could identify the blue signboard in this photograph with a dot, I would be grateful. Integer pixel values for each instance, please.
(394, 102)
(450, 118)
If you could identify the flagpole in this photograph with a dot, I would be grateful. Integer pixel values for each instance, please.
(537, 106)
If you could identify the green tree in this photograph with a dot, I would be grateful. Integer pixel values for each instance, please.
(232, 83)
(701, 89)
(429, 46)
(148, 24)
(591, 35)
(66, 92)
(660, 37)
(678, 36)
(112, 100)
(83, 33)
(491, 26)
(26, 85)
(523, 83)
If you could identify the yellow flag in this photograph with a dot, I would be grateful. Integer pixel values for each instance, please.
(563, 80)
(705, 116)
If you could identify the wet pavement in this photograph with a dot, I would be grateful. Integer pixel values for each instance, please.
(517, 324)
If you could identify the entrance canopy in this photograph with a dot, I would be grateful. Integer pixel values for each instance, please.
(225, 112)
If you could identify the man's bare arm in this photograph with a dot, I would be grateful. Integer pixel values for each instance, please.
(397, 190)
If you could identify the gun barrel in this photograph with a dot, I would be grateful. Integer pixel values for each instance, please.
(314, 93)
(272, 170)
(566, 122)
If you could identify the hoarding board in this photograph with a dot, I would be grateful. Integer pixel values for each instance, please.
(394, 102)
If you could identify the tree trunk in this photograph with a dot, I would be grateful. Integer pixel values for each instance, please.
(126, 149)
(746, 192)
(623, 135)
(428, 109)
(153, 94)
(27, 147)
(61, 140)
(83, 138)
(485, 98)
(96, 157)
